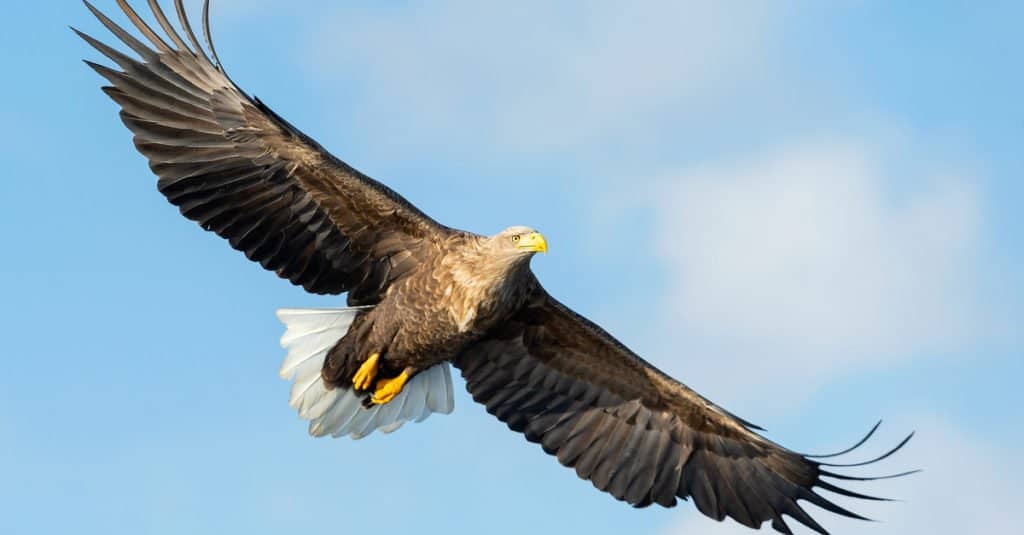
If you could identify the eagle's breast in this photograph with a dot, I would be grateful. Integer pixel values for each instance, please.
(477, 290)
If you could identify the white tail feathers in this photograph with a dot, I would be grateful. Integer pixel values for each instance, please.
(310, 333)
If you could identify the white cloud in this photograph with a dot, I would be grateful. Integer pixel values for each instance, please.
(817, 260)
(967, 486)
(539, 76)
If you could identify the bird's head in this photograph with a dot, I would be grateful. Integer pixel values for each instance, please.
(519, 242)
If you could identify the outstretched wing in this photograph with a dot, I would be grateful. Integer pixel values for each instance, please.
(633, 431)
(237, 168)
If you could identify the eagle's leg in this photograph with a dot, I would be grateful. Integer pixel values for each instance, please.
(366, 373)
(387, 389)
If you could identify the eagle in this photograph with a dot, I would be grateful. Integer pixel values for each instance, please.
(422, 297)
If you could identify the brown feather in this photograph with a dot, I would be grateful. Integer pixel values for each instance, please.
(629, 428)
(238, 169)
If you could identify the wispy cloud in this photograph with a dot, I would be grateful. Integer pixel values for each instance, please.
(539, 76)
(813, 261)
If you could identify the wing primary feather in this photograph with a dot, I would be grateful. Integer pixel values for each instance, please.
(161, 18)
(778, 524)
(154, 72)
(143, 27)
(209, 39)
(874, 478)
(801, 516)
(187, 26)
(876, 459)
(820, 501)
(851, 448)
(138, 46)
(849, 493)
(180, 101)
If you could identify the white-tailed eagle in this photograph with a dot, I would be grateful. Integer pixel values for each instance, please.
(422, 296)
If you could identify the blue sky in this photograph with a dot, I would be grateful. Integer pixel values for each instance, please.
(809, 213)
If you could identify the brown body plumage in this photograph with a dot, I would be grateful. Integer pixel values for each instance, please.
(433, 294)
(453, 299)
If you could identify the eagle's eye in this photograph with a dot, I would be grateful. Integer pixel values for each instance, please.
(515, 238)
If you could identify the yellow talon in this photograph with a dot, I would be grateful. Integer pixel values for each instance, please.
(365, 374)
(387, 389)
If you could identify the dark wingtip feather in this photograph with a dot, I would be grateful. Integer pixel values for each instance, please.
(849, 493)
(800, 515)
(821, 501)
(778, 524)
(876, 459)
(844, 477)
(208, 36)
(851, 448)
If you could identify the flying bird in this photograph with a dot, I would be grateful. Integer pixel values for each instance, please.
(422, 296)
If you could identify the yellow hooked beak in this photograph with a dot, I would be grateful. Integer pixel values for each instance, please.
(533, 242)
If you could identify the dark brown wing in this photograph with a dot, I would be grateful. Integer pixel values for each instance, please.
(238, 169)
(632, 430)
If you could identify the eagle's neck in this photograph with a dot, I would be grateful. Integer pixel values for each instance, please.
(486, 288)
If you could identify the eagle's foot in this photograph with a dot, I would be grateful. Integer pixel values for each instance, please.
(387, 389)
(365, 374)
